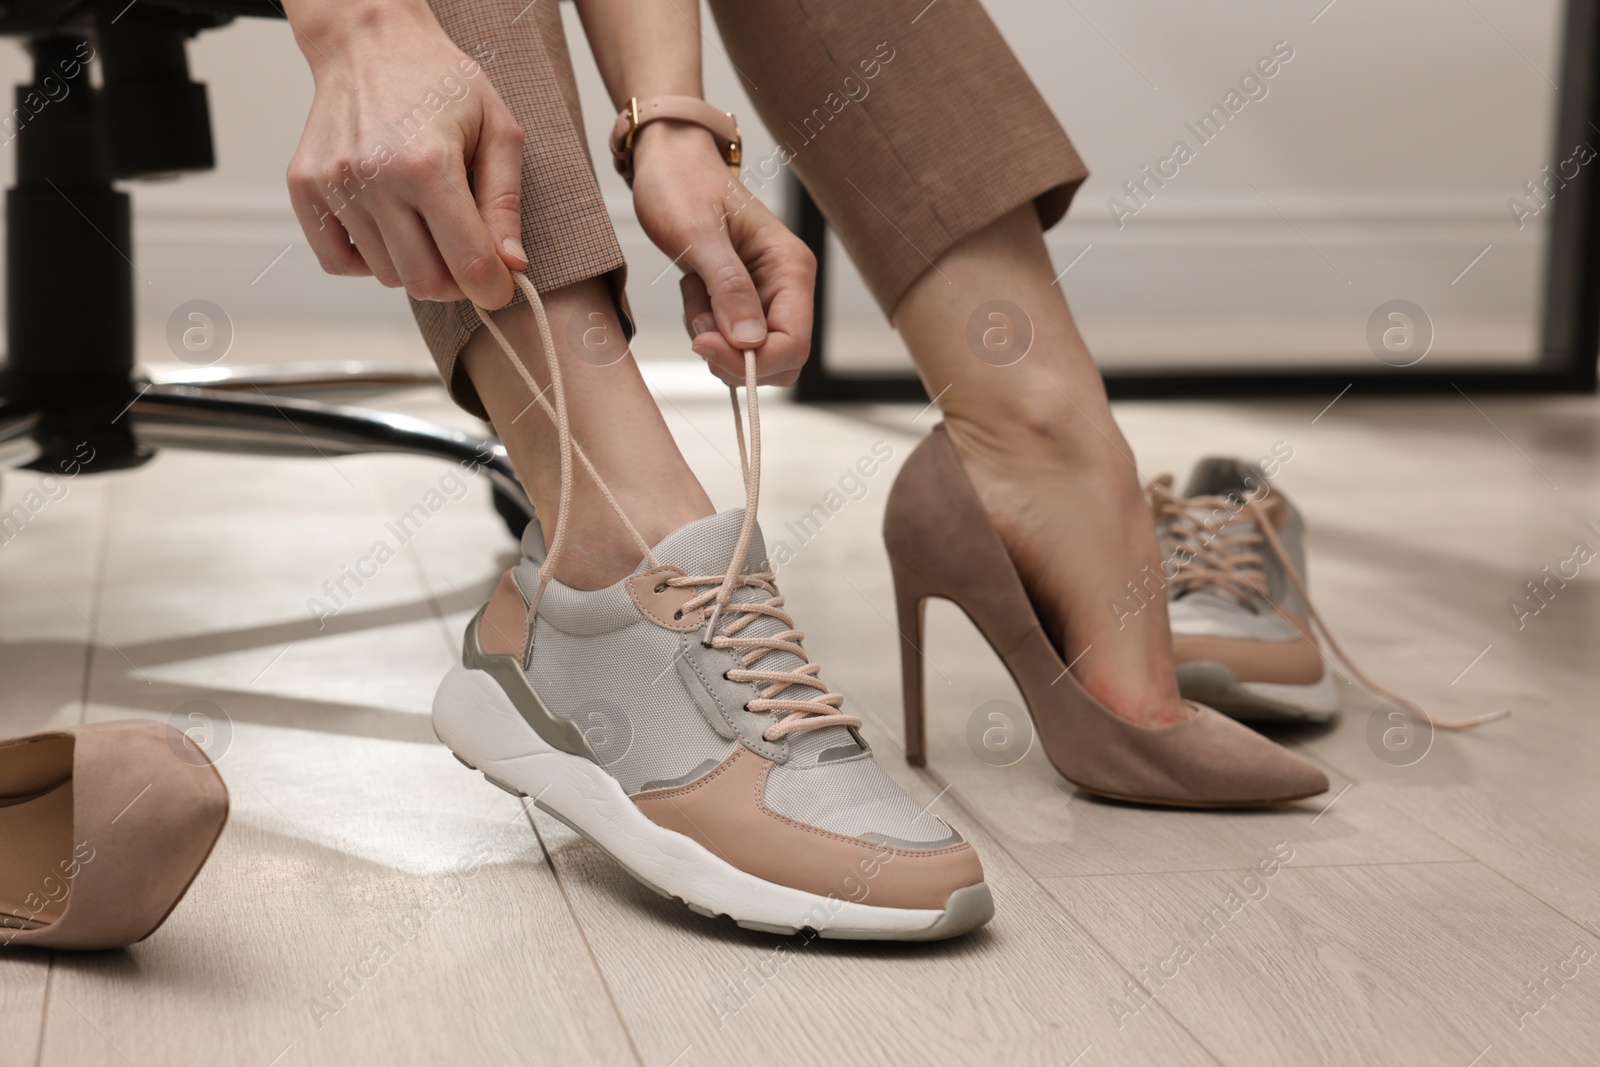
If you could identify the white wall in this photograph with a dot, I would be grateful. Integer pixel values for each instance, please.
(1377, 166)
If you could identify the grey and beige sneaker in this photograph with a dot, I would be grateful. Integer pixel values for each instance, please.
(675, 720)
(699, 748)
(1233, 548)
(1245, 635)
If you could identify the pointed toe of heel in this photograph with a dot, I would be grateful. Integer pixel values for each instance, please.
(1213, 761)
(108, 825)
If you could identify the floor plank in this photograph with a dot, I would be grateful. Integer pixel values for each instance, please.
(370, 902)
(1415, 964)
(1029, 988)
(49, 574)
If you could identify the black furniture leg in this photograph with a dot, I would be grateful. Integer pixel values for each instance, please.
(69, 284)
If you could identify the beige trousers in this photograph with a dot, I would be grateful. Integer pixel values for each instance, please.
(911, 124)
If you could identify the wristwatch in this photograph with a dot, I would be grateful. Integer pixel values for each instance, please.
(639, 113)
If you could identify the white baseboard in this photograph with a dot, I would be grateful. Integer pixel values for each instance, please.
(1201, 275)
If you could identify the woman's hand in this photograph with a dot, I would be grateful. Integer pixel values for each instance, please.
(380, 180)
(748, 281)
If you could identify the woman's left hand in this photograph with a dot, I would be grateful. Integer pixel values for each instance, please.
(748, 281)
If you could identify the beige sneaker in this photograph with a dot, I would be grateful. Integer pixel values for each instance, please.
(1241, 630)
(675, 720)
(1246, 637)
(723, 774)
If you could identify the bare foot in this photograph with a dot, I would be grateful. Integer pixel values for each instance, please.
(1066, 502)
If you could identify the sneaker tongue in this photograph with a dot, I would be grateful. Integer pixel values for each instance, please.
(1225, 477)
(705, 546)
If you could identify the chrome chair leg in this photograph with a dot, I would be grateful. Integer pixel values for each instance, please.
(211, 420)
(342, 378)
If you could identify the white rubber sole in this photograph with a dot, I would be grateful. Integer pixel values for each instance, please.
(1321, 696)
(478, 722)
(1259, 702)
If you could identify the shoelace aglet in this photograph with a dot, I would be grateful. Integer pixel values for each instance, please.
(1457, 724)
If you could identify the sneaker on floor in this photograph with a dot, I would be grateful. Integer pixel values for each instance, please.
(724, 775)
(1241, 629)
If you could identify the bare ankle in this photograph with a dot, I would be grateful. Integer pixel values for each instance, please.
(599, 551)
(1088, 446)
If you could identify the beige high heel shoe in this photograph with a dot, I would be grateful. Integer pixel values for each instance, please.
(102, 829)
(942, 544)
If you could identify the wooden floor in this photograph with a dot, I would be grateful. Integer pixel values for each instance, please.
(373, 902)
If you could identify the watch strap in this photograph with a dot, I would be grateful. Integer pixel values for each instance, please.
(640, 113)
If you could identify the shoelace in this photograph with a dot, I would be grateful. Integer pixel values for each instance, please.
(809, 713)
(1233, 563)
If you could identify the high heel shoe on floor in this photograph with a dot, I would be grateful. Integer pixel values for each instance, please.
(102, 829)
(942, 544)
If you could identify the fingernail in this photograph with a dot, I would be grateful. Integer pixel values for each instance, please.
(749, 331)
(514, 246)
(700, 326)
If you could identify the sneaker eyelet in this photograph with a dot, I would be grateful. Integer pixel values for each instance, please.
(725, 677)
(678, 614)
(662, 588)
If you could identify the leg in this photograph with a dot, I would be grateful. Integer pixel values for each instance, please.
(577, 267)
(1048, 460)
(938, 164)
(612, 416)
(609, 662)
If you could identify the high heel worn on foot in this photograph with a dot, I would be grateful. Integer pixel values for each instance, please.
(942, 544)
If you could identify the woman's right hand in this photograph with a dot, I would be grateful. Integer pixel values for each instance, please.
(380, 181)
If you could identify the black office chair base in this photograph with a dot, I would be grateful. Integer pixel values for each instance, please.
(239, 412)
(71, 400)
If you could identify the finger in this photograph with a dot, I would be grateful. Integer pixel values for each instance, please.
(366, 235)
(326, 235)
(735, 303)
(416, 256)
(785, 273)
(454, 231)
(788, 280)
(698, 318)
(497, 183)
(697, 315)
(724, 361)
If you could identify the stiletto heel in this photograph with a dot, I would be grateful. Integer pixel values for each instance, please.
(941, 543)
(909, 598)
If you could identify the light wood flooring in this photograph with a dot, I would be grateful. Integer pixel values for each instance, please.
(1419, 908)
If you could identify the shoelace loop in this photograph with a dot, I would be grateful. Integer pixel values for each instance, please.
(1218, 559)
(810, 713)
(1212, 557)
(804, 713)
